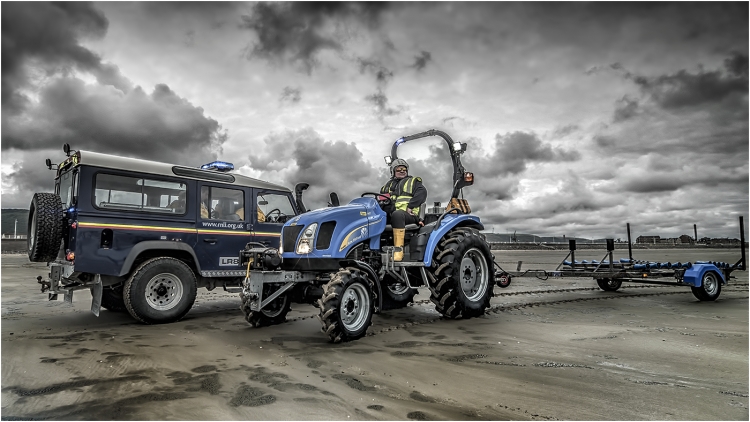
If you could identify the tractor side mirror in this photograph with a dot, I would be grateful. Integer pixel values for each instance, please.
(48, 162)
(66, 149)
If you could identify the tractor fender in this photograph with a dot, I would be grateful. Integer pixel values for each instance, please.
(448, 223)
(694, 275)
(370, 272)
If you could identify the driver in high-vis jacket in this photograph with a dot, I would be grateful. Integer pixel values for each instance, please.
(407, 194)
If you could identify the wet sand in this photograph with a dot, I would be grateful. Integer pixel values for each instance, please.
(556, 349)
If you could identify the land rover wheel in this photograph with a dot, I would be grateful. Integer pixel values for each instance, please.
(44, 227)
(347, 305)
(161, 290)
(112, 298)
(462, 284)
(709, 289)
(608, 285)
(272, 314)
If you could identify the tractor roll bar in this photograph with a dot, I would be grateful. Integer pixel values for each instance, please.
(458, 168)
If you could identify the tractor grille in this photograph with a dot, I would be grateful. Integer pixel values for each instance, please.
(289, 236)
(325, 234)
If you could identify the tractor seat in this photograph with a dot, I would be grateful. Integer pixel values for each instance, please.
(409, 227)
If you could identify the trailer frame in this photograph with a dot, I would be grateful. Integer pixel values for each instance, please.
(704, 277)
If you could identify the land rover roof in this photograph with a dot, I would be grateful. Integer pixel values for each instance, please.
(96, 159)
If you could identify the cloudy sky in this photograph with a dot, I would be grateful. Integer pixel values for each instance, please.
(579, 117)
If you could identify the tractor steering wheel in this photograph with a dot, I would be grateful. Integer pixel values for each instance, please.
(383, 201)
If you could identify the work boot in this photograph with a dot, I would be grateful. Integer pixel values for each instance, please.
(398, 242)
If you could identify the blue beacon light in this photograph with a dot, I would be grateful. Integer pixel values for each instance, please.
(218, 166)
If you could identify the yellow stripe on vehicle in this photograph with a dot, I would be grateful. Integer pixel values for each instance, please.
(135, 227)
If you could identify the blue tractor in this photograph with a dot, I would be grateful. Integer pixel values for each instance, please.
(340, 259)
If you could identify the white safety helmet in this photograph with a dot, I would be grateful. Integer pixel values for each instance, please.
(398, 163)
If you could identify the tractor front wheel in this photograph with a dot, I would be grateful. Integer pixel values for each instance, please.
(272, 314)
(347, 305)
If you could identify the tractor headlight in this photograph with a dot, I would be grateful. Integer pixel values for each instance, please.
(304, 245)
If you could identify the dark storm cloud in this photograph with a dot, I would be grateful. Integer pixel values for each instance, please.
(107, 116)
(421, 61)
(564, 131)
(709, 176)
(515, 150)
(31, 175)
(684, 89)
(290, 95)
(382, 74)
(49, 34)
(626, 108)
(381, 109)
(296, 32)
(160, 125)
(296, 156)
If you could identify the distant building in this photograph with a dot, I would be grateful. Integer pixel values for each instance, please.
(648, 239)
(686, 239)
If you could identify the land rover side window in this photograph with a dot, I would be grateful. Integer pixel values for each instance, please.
(67, 188)
(223, 203)
(274, 207)
(126, 193)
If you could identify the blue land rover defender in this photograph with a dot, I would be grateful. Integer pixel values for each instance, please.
(143, 236)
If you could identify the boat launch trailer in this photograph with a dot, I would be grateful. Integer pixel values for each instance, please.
(705, 278)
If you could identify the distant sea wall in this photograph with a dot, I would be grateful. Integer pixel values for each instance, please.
(521, 246)
(13, 245)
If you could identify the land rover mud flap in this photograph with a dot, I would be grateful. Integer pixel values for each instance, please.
(96, 296)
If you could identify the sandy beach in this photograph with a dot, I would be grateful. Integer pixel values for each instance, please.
(555, 349)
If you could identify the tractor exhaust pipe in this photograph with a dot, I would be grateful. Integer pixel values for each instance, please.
(298, 189)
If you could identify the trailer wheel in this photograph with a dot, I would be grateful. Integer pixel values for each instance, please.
(396, 295)
(502, 280)
(112, 298)
(709, 289)
(347, 305)
(463, 285)
(272, 314)
(608, 285)
(44, 227)
(161, 290)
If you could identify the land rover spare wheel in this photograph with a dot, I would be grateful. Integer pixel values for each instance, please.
(45, 227)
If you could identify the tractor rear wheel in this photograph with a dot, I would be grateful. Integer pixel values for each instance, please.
(347, 305)
(462, 284)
